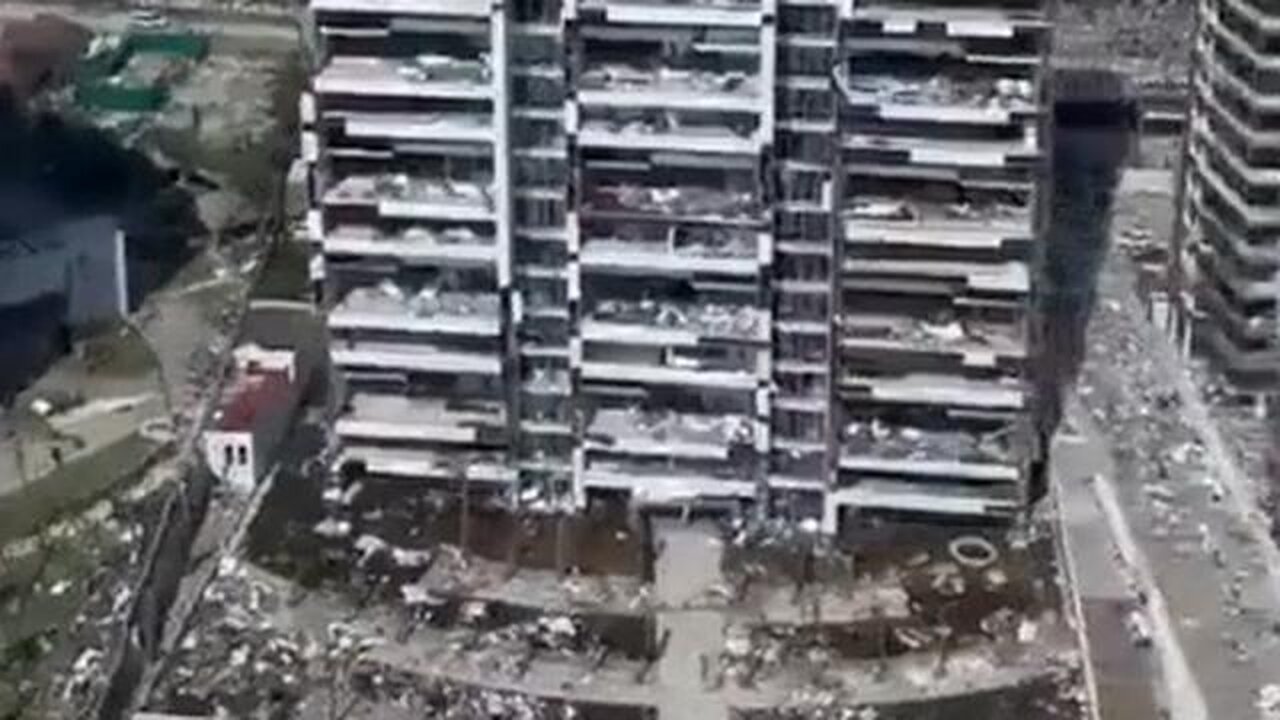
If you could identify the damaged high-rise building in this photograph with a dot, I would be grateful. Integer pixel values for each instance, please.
(1228, 253)
(717, 253)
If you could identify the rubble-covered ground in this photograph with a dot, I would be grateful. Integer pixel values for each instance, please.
(1177, 487)
(949, 605)
(66, 585)
(360, 598)
(70, 585)
(1148, 40)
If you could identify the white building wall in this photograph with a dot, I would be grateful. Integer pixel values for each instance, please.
(233, 457)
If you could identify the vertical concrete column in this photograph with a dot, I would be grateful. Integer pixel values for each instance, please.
(504, 210)
(830, 514)
(768, 39)
(835, 235)
(573, 249)
(502, 101)
(768, 69)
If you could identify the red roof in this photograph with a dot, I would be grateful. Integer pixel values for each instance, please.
(251, 394)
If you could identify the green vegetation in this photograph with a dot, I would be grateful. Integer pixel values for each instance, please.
(285, 275)
(72, 487)
(118, 353)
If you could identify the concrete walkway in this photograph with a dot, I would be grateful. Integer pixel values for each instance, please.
(687, 569)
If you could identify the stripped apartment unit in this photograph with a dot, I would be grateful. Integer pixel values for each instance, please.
(1230, 207)
(715, 253)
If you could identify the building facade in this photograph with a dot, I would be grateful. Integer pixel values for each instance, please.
(1227, 254)
(714, 253)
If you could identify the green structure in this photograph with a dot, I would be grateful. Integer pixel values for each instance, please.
(135, 74)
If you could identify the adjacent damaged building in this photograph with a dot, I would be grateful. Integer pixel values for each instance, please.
(713, 253)
(1230, 209)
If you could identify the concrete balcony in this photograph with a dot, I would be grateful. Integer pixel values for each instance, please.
(415, 464)
(429, 77)
(675, 204)
(991, 227)
(1268, 22)
(712, 13)
(411, 357)
(1229, 164)
(1221, 70)
(641, 136)
(940, 152)
(662, 485)
(435, 127)
(940, 99)
(928, 499)
(624, 86)
(405, 197)
(466, 8)
(971, 344)
(666, 324)
(668, 375)
(877, 448)
(432, 420)
(938, 277)
(991, 21)
(667, 434)
(1244, 289)
(1210, 93)
(1261, 61)
(1253, 215)
(926, 390)
(428, 312)
(416, 246)
(623, 257)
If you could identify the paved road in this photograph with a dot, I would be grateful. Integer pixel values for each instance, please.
(1177, 498)
(1126, 675)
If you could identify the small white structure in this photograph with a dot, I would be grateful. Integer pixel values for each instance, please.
(252, 418)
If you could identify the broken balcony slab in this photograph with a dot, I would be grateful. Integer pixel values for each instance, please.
(671, 204)
(470, 8)
(396, 417)
(388, 307)
(411, 464)
(649, 322)
(627, 86)
(451, 126)
(411, 357)
(978, 344)
(415, 245)
(928, 498)
(424, 77)
(403, 196)
(941, 390)
(881, 447)
(999, 277)
(639, 135)
(634, 431)
(940, 98)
